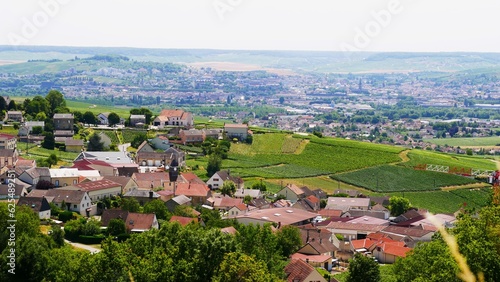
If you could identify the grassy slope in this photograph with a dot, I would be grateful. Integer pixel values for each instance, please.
(466, 142)
(428, 157)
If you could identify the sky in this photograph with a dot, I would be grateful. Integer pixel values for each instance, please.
(326, 25)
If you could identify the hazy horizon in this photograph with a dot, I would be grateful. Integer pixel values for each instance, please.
(279, 25)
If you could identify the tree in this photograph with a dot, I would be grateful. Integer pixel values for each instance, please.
(130, 204)
(3, 104)
(363, 269)
(113, 119)
(138, 139)
(398, 205)
(52, 160)
(37, 105)
(55, 100)
(57, 235)
(431, 261)
(289, 240)
(183, 210)
(12, 105)
(116, 227)
(214, 164)
(95, 143)
(37, 130)
(228, 188)
(259, 186)
(157, 207)
(247, 199)
(49, 141)
(44, 185)
(89, 118)
(239, 267)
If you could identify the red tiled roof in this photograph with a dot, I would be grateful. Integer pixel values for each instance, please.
(192, 189)
(8, 136)
(313, 199)
(171, 113)
(311, 258)
(298, 270)
(229, 230)
(97, 185)
(395, 250)
(235, 125)
(330, 213)
(191, 177)
(183, 220)
(141, 221)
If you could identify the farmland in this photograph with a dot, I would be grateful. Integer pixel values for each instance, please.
(389, 178)
(428, 157)
(266, 157)
(466, 142)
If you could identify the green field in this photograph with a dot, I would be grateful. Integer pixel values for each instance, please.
(390, 178)
(448, 201)
(428, 157)
(466, 142)
(83, 107)
(321, 156)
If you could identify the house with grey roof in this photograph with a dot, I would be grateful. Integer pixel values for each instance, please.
(218, 179)
(143, 196)
(109, 157)
(39, 205)
(177, 201)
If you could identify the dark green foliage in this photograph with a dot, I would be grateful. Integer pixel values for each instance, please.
(89, 118)
(138, 139)
(37, 130)
(65, 216)
(130, 204)
(95, 143)
(55, 100)
(116, 227)
(363, 269)
(398, 205)
(49, 141)
(159, 208)
(113, 119)
(228, 188)
(214, 164)
(143, 111)
(259, 186)
(288, 240)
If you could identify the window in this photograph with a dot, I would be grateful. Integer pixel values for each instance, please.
(83, 205)
(75, 181)
(56, 183)
(74, 206)
(87, 204)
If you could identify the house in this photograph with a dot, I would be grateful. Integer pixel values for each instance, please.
(238, 131)
(191, 136)
(279, 216)
(104, 168)
(113, 158)
(190, 177)
(16, 116)
(34, 175)
(12, 191)
(105, 140)
(345, 203)
(224, 203)
(300, 271)
(7, 141)
(99, 189)
(71, 200)
(381, 247)
(292, 193)
(137, 120)
(147, 156)
(410, 235)
(238, 210)
(199, 193)
(175, 117)
(212, 133)
(127, 183)
(378, 211)
(63, 122)
(143, 196)
(353, 230)
(160, 142)
(177, 201)
(73, 145)
(152, 180)
(252, 193)
(310, 203)
(182, 220)
(31, 124)
(38, 204)
(218, 179)
(25, 163)
(260, 203)
(8, 157)
(134, 222)
(64, 176)
(103, 118)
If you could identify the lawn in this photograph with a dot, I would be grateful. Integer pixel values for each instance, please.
(428, 157)
(324, 182)
(390, 178)
(466, 142)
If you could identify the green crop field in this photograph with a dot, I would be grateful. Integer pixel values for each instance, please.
(428, 157)
(129, 135)
(264, 158)
(389, 178)
(83, 107)
(448, 201)
(466, 142)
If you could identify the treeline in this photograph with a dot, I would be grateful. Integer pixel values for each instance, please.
(172, 253)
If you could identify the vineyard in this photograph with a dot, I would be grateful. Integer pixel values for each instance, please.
(129, 135)
(265, 157)
(449, 201)
(418, 157)
(110, 134)
(388, 178)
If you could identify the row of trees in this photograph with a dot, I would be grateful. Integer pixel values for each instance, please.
(173, 253)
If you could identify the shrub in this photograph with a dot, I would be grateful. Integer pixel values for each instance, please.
(65, 216)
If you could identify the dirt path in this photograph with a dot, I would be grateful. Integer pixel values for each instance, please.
(466, 186)
(404, 156)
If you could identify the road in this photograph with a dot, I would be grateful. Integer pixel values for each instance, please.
(92, 250)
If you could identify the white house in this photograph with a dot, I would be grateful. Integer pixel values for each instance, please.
(217, 180)
(71, 200)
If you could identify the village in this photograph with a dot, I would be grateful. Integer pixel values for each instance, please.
(333, 227)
